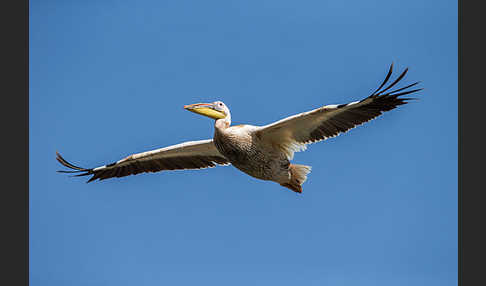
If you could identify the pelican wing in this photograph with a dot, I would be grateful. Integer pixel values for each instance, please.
(189, 155)
(291, 134)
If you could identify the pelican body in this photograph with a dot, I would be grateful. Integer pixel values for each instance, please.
(247, 152)
(245, 149)
(263, 152)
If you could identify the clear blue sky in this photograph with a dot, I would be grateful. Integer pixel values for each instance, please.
(109, 78)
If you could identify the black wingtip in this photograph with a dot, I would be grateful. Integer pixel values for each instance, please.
(406, 92)
(68, 172)
(395, 82)
(408, 86)
(406, 99)
(74, 168)
(390, 71)
(395, 93)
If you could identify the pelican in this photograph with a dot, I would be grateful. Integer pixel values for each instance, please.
(263, 152)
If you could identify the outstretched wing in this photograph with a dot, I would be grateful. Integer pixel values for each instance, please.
(291, 134)
(189, 155)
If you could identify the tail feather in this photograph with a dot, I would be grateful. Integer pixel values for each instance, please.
(298, 175)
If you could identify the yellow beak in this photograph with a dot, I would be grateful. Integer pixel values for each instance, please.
(206, 109)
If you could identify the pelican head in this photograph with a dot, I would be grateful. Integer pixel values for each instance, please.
(216, 110)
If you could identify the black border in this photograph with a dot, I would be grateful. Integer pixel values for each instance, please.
(471, 204)
(15, 144)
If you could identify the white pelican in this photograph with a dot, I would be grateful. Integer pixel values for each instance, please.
(263, 152)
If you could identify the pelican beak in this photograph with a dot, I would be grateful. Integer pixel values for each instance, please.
(206, 109)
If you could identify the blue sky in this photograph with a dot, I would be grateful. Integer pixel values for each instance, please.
(109, 78)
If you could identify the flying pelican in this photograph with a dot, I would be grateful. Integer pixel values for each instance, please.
(263, 152)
